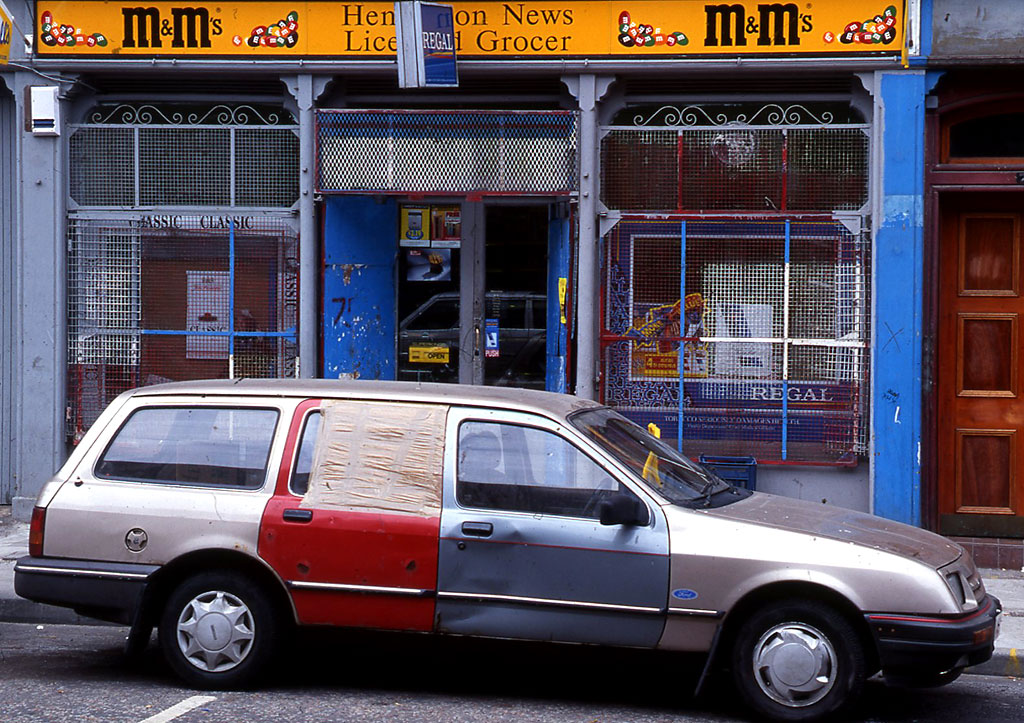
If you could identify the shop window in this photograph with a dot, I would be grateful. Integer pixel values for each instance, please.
(738, 321)
(796, 391)
(177, 154)
(154, 299)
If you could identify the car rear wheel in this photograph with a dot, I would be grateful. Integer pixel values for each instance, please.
(797, 661)
(218, 631)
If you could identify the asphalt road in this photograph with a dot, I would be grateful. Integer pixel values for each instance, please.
(78, 673)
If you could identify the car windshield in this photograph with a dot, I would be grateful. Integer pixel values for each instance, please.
(668, 472)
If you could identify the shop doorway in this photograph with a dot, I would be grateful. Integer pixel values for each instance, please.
(980, 406)
(478, 313)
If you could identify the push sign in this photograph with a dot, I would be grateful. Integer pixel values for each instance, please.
(491, 345)
(426, 45)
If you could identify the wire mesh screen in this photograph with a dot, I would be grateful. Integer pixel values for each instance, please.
(640, 169)
(185, 155)
(102, 166)
(740, 337)
(734, 167)
(186, 301)
(184, 166)
(266, 167)
(496, 152)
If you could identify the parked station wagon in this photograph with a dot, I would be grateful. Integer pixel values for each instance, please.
(224, 513)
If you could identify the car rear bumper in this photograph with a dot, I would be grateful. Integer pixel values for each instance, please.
(105, 590)
(924, 643)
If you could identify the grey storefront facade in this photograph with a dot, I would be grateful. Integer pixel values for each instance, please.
(661, 231)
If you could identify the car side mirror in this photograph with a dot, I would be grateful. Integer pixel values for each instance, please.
(623, 509)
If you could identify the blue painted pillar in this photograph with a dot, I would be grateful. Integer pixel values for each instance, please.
(898, 277)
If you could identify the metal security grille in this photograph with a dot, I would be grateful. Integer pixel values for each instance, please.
(180, 301)
(741, 336)
(490, 152)
(772, 159)
(185, 155)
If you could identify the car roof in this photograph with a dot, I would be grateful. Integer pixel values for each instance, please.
(547, 403)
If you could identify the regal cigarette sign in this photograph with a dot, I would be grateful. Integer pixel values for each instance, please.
(352, 30)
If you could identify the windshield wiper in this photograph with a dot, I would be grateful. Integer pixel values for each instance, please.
(706, 491)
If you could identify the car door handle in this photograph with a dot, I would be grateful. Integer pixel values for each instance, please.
(297, 515)
(477, 529)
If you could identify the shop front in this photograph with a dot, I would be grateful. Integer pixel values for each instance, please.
(673, 207)
(447, 237)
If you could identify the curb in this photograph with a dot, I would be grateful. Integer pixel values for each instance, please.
(1005, 662)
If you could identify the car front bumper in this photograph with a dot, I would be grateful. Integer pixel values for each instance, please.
(924, 643)
(105, 590)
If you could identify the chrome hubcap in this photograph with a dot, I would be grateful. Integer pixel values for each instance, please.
(215, 631)
(795, 664)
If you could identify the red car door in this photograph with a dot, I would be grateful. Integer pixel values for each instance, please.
(346, 567)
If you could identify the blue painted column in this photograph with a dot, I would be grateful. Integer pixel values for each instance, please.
(898, 293)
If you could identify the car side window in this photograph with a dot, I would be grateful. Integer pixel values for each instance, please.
(442, 314)
(299, 483)
(525, 469)
(208, 446)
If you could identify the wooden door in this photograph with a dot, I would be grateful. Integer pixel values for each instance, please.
(980, 403)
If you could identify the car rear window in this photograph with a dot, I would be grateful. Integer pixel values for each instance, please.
(209, 446)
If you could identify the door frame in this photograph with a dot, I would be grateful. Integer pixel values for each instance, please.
(473, 283)
(943, 183)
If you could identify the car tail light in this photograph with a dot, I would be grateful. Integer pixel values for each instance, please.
(35, 532)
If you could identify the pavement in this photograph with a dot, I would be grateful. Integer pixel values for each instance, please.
(1007, 585)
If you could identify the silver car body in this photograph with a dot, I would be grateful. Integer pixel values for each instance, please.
(675, 579)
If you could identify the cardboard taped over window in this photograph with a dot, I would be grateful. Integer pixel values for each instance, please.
(379, 457)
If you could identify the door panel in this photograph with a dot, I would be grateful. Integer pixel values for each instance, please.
(979, 407)
(986, 472)
(991, 255)
(987, 349)
(522, 554)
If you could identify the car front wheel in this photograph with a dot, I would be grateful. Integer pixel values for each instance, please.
(217, 630)
(797, 661)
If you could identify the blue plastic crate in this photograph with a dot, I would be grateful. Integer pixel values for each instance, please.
(737, 471)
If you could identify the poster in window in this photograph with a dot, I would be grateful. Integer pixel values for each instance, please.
(414, 228)
(656, 337)
(428, 265)
(445, 227)
(208, 308)
(747, 360)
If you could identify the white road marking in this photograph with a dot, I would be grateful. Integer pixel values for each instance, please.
(179, 709)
